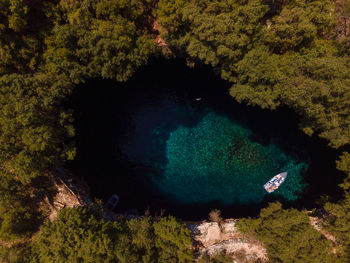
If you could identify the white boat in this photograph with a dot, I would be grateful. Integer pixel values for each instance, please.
(275, 182)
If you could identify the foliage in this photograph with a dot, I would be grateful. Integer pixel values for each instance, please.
(344, 165)
(23, 27)
(17, 221)
(33, 127)
(45, 48)
(220, 258)
(288, 235)
(217, 32)
(16, 254)
(98, 39)
(172, 241)
(275, 53)
(34, 135)
(18, 218)
(338, 223)
(338, 219)
(79, 235)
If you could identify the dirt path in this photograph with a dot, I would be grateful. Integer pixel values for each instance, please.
(317, 225)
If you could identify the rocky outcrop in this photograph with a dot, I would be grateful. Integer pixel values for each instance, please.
(66, 191)
(211, 238)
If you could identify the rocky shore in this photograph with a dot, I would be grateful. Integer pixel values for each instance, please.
(212, 238)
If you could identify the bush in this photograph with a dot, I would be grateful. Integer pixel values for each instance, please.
(215, 216)
(79, 235)
(17, 221)
(288, 236)
(172, 240)
(16, 254)
(221, 258)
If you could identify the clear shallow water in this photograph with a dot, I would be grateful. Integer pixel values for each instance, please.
(152, 143)
(198, 156)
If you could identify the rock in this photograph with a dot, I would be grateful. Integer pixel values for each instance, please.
(234, 247)
(206, 233)
(66, 191)
(211, 239)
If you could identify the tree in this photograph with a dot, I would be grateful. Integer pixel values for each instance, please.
(172, 240)
(17, 221)
(220, 258)
(21, 253)
(338, 223)
(80, 235)
(23, 27)
(280, 53)
(33, 127)
(338, 219)
(343, 164)
(18, 217)
(98, 39)
(288, 236)
(299, 25)
(217, 32)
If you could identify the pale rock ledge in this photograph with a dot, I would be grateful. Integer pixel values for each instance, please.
(211, 238)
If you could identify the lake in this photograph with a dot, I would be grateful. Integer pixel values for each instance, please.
(172, 140)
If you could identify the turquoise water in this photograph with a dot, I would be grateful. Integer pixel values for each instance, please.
(152, 143)
(198, 156)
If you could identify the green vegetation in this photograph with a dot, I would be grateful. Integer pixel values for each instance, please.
(98, 39)
(24, 25)
(35, 129)
(217, 259)
(45, 49)
(18, 217)
(338, 220)
(16, 254)
(288, 236)
(79, 235)
(274, 53)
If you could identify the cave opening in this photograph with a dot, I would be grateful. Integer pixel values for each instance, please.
(172, 139)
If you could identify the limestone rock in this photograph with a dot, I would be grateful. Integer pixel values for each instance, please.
(212, 238)
(66, 190)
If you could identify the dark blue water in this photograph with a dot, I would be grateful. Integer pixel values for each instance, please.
(158, 147)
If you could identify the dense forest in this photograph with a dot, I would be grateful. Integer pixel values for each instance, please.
(293, 53)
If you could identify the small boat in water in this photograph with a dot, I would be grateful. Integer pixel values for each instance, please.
(275, 182)
(112, 202)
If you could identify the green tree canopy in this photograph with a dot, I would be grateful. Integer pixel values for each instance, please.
(172, 241)
(274, 52)
(79, 235)
(288, 236)
(33, 126)
(98, 39)
(338, 223)
(24, 24)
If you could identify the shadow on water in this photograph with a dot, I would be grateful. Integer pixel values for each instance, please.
(103, 112)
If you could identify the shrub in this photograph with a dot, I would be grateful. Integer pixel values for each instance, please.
(215, 216)
(79, 235)
(288, 236)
